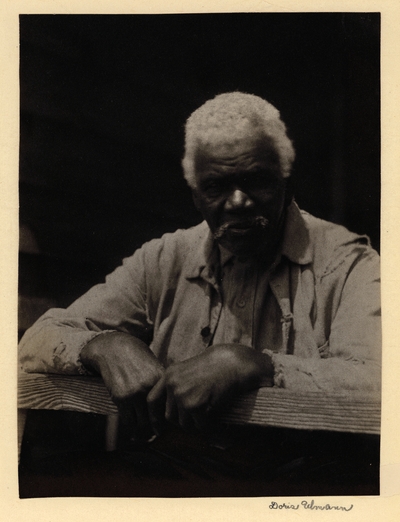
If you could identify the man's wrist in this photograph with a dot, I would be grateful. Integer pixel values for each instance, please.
(267, 370)
(259, 366)
(93, 349)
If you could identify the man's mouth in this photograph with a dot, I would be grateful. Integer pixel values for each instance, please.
(241, 227)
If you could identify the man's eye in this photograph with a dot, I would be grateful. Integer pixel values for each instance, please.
(213, 188)
(260, 183)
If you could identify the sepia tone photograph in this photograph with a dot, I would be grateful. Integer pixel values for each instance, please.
(199, 301)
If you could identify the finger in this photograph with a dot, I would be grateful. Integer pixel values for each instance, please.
(180, 414)
(143, 429)
(171, 408)
(156, 405)
(186, 420)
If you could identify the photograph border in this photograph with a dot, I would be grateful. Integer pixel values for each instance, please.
(387, 504)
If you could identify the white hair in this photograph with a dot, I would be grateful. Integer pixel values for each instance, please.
(226, 115)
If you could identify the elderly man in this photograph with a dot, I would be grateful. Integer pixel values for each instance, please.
(259, 294)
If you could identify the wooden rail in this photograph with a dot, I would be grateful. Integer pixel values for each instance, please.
(348, 412)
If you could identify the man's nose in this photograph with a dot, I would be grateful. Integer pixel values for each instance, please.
(238, 200)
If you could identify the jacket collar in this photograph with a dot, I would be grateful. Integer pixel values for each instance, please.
(203, 261)
(296, 244)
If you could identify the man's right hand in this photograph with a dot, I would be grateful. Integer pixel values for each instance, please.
(129, 370)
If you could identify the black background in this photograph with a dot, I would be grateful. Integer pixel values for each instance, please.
(104, 99)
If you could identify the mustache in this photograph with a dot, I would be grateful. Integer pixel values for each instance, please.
(253, 222)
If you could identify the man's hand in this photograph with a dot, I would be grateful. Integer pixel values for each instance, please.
(129, 370)
(191, 388)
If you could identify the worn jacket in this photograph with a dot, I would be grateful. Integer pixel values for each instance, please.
(326, 326)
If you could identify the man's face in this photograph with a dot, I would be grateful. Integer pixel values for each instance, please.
(241, 193)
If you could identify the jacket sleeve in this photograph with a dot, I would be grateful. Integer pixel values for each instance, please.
(53, 344)
(351, 358)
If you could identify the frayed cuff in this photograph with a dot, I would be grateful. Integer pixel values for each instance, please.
(293, 373)
(68, 361)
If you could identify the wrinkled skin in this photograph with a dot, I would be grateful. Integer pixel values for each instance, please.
(129, 370)
(192, 388)
(242, 195)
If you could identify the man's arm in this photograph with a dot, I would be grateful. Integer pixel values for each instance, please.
(351, 359)
(103, 332)
(54, 343)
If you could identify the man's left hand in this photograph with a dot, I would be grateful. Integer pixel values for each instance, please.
(190, 389)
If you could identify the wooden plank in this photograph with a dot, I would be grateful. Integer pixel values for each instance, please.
(353, 412)
(356, 412)
(64, 392)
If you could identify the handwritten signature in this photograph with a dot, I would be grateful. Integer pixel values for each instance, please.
(309, 505)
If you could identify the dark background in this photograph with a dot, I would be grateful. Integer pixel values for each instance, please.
(104, 99)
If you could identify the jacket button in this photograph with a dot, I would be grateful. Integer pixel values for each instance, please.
(241, 303)
(205, 332)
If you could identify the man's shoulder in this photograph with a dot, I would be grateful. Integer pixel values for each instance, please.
(179, 247)
(325, 245)
(329, 231)
(332, 235)
(182, 237)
